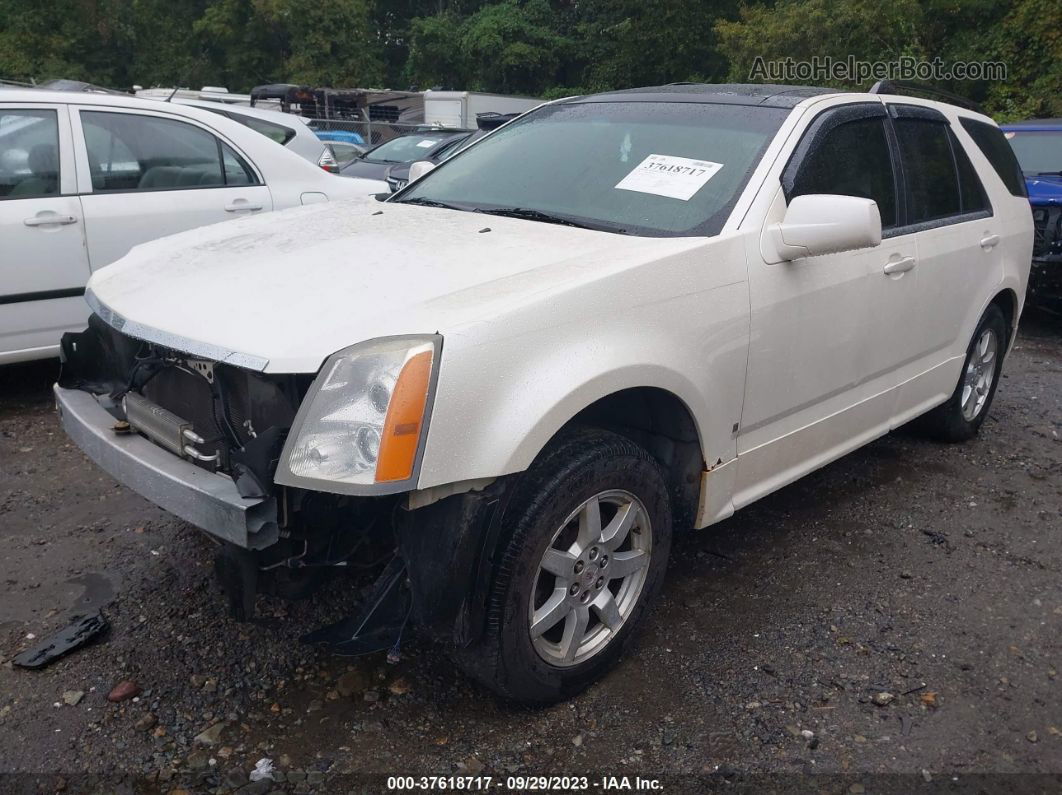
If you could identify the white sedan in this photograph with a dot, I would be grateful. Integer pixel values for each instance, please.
(85, 177)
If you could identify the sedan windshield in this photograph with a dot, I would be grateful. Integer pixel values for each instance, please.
(1039, 152)
(405, 149)
(640, 168)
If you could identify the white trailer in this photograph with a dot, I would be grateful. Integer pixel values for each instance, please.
(458, 109)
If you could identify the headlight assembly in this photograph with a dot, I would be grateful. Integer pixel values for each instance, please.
(361, 427)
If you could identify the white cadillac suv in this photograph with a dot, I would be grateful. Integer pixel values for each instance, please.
(617, 316)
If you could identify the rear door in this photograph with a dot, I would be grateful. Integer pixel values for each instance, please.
(43, 264)
(959, 258)
(145, 175)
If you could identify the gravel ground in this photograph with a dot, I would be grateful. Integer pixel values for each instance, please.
(898, 612)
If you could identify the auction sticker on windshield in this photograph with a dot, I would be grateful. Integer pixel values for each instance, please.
(425, 144)
(665, 175)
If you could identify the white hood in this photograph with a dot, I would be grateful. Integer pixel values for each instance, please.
(286, 290)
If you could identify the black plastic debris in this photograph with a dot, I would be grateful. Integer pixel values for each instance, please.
(378, 625)
(81, 630)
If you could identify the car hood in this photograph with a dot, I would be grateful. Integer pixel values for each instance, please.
(283, 291)
(1044, 189)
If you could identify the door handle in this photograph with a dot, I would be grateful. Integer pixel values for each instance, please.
(901, 265)
(242, 206)
(48, 220)
(989, 241)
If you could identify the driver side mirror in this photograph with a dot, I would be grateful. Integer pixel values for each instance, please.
(419, 169)
(826, 224)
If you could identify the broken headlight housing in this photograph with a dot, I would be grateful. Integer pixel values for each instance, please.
(361, 427)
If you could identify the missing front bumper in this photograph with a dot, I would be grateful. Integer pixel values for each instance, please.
(207, 500)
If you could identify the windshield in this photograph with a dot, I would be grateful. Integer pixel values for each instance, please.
(1039, 152)
(646, 168)
(406, 149)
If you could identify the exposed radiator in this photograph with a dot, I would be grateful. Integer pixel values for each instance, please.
(163, 427)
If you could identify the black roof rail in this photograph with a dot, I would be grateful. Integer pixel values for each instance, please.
(925, 91)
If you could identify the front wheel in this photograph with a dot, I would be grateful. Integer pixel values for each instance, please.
(961, 416)
(589, 529)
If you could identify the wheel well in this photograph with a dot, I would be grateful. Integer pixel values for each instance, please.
(1007, 301)
(662, 424)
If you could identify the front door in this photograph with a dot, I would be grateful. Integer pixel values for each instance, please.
(805, 396)
(43, 263)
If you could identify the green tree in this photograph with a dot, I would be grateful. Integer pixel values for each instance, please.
(436, 57)
(649, 42)
(512, 47)
(1028, 39)
(329, 42)
(87, 40)
(1025, 35)
(868, 30)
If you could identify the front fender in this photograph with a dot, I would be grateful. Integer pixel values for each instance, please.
(500, 399)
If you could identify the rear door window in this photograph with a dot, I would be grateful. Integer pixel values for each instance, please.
(132, 152)
(929, 170)
(29, 153)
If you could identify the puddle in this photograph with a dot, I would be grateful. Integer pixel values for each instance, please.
(85, 593)
(99, 592)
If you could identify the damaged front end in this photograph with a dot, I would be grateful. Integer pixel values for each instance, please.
(203, 439)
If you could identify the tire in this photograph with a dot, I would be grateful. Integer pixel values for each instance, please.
(960, 417)
(551, 509)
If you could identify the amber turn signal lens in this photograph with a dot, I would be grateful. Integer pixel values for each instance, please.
(405, 416)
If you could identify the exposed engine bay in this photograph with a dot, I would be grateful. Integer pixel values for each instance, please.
(221, 417)
(233, 422)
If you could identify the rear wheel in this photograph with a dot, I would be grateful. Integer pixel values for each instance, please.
(589, 534)
(961, 416)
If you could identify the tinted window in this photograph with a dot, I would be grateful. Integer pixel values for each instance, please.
(994, 146)
(929, 170)
(971, 192)
(29, 153)
(852, 159)
(130, 152)
(274, 132)
(652, 168)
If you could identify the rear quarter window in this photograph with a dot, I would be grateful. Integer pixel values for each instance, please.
(993, 145)
(971, 191)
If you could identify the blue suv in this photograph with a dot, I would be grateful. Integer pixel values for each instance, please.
(1038, 146)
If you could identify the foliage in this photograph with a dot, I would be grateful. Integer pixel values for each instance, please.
(546, 48)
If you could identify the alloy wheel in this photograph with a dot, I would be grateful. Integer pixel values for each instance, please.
(979, 375)
(590, 578)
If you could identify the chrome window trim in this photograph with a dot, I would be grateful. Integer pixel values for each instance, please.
(175, 341)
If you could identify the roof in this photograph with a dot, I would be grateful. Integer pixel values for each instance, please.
(116, 99)
(20, 95)
(770, 95)
(1034, 125)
